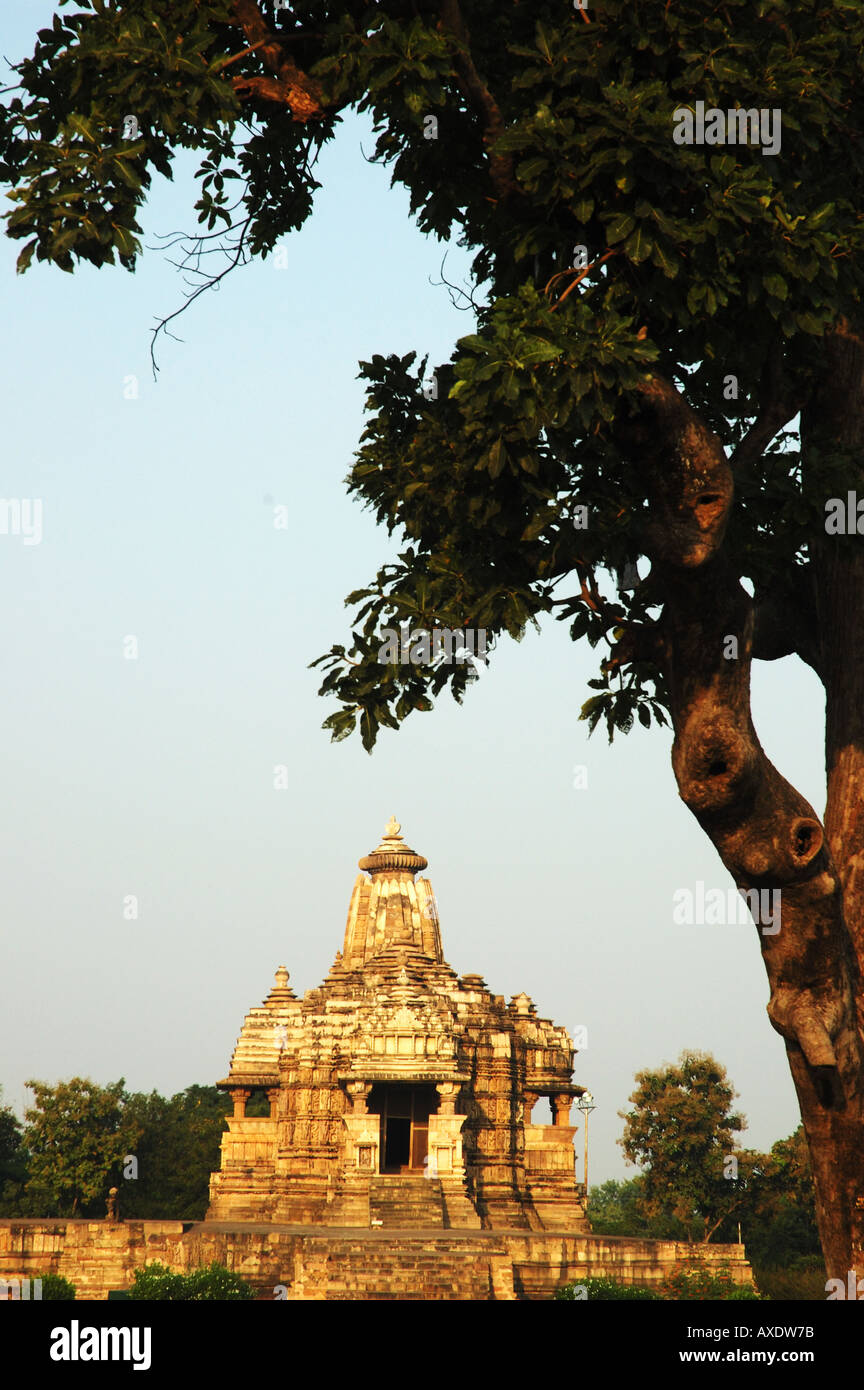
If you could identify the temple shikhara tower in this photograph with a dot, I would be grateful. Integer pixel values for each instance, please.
(400, 1093)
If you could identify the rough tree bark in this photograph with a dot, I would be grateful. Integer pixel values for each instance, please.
(765, 832)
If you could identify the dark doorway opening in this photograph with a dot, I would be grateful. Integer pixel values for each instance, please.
(404, 1111)
(397, 1145)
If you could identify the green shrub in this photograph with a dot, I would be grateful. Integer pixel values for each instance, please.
(56, 1289)
(690, 1285)
(684, 1284)
(802, 1279)
(210, 1282)
(603, 1290)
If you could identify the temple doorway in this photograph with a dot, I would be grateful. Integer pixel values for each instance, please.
(404, 1111)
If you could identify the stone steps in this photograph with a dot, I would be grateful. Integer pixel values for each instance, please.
(404, 1269)
(405, 1203)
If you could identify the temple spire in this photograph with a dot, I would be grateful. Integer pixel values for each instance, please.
(392, 910)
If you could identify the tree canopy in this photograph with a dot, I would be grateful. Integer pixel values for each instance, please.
(75, 1139)
(13, 1161)
(79, 1137)
(683, 1132)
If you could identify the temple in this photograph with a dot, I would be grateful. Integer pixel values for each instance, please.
(400, 1093)
(401, 1096)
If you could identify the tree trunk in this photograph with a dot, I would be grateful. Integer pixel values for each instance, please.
(766, 834)
(833, 423)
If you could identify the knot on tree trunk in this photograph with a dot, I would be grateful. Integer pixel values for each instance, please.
(806, 838)
(714, 765)
(811, 1022)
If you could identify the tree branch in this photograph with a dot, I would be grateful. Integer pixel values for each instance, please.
(689, 479)
(638, 642)
(477, 93)
(579, 278)
(785, 621)
(288, 85)
(779, 402)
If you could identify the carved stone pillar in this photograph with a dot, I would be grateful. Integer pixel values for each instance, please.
(530, 1099)
(240, 1098)
(445, 1158)
(561, 1107)
(273, 1097)
(448, 1091)
(359, 1093)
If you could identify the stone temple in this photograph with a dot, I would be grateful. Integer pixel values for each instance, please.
(400, 1158)
(400, 1093)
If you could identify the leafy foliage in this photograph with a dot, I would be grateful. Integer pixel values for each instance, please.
(780, 1224)
(802, 1279)
(177, 1149)
(776, 1213)
(681, 1131)
(604, 1291)
(684, 1284)
(56, 1289)
(618, 1209)
(13, 1160)
(75, 1140)
(210, 1283)
(690, 1285)
(554, 135)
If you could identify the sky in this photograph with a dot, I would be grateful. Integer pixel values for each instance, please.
(153, 777)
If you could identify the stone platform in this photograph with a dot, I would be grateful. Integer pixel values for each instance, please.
(342, 1263)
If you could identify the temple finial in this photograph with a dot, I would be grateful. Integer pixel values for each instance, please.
(392, 854)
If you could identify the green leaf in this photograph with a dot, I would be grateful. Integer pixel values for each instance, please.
(536, 526)
(25, 256)
(595, 703)
(530, 168)
(84, 128)
(619, 227)
(541, 351)
(821, 216)
(776, 285)
(129, 176)
(125, 242)
(638, 245)
(660, 258)
(496, 459)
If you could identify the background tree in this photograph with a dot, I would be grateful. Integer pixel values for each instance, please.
(775, 1218)
(13, 1161)
(668, 335)
(177, 1149)
(618, 1209)
(682, 1132)
(76, 1139)
(780, 1224)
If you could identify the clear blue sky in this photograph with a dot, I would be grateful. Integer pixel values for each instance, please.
(155, 777)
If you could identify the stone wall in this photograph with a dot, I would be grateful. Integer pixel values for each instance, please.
(351, 1263)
